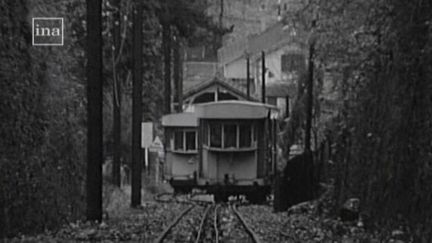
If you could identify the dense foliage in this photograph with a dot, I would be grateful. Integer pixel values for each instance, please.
(43, 106)
(42, 128)
(378, 55)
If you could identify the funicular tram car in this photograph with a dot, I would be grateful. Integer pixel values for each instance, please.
(222, 148)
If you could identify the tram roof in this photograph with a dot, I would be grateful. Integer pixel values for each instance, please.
(185, 119)
(230, 109)
(233, 110)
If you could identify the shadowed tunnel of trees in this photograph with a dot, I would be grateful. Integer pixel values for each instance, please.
(378, 52)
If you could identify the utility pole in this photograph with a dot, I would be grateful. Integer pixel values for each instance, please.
(279, 10)
(180, 84)
(116, 96)
(166, 45)
(248, 76)
(263, 71)
(217, 37)
(136, 104)
(221, 13)
(177, 75)
(94, 110)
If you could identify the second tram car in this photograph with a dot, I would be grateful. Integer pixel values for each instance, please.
(222, 148)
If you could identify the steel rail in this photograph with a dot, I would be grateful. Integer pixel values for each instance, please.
(251, 233)
(202, 223)
(174, 223)
(176, 199)
(215, 223)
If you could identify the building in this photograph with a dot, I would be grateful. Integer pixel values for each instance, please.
(215, 89)
(285, 53)
(204, 82)
(249, 17)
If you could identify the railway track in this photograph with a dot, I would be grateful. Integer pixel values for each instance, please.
(181, 198)
(202, 223)
(248, 229)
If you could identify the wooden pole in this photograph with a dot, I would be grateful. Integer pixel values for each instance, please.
(248, 77)
(217, 39)
(136, 105)
(177, 75)
(263, 71)
(166, 43)
(116, 96)
(275, 150)
(309, 99)
(180, 84)
(221, 13)
(94, 110)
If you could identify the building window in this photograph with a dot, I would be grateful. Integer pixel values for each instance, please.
(272, 100)
(242, 82)
(231, 135)
(185, 140)
(292, 62)
(270, 74)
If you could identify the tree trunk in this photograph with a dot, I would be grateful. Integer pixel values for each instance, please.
(116, 96)
(94, 110)
(309, 99)
(136, 105)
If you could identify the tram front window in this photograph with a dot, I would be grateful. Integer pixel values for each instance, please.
(245, 138)
(216, 135)
(230, 136)
(191, 141)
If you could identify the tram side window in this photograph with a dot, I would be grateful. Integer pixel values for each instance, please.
(178, 140)
(185, 141)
